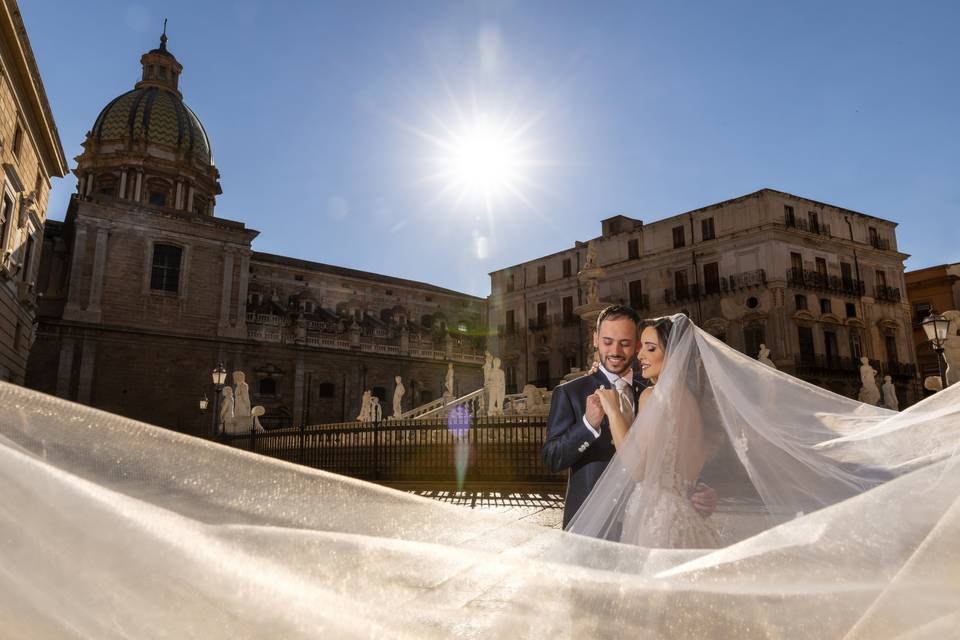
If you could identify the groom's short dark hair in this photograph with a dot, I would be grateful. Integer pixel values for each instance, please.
(616, 312)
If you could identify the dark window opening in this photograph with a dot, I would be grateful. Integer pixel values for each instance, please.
(753, 337)
(326, 390)
(633, 249)
(567, 270)
(165, 274)
(541, 274)
(706, 229)
(678, 237)
(636, 294)
(158, 198)
(800, 301)
(711, 277)
(807, 352)
(851, 310)
(267, 387)
(825, 305)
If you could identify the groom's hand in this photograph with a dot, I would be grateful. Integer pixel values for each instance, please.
(594, 413)
(704, 500)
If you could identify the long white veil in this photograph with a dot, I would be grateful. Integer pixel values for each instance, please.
(111, 528)
(775, 446)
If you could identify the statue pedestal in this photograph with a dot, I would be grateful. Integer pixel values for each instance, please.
(589, 313)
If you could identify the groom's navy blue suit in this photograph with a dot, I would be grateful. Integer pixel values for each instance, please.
(571, 445)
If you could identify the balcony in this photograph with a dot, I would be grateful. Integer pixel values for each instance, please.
(900, 369)
(816, 281)
(506, 329)
(641, 302)
(883, 293)
(792, 222)
(721, 286)
(880, 243)
(540, 324)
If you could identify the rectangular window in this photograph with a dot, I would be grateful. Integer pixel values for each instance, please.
(821, 267)
(825, 306)
(851, 310)
(510, 379)
(567, 271)
(633, 249)
(706, 229)
(541, 274)
(326, 390)
(814, 221)
(920, 311)
(830, 345)
(165, 275)
(796, 262)
(543, 373)
(800, 301)
(27, 258)
(807, 353)
(158, 198)
(846, 274)
(711, 277)
(6, 212)
(789, 216)
(542, 314)
(881, 278)
(568, 309)
(856, 347)
(753, 337)
(890, 343)
(678, 237)
(636, 294)
(680, 284)
(874, 236)
(17, 140)
(510, 282)
(510, 322)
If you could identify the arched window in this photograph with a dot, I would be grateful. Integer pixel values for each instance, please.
(165, 268)
(107, 185)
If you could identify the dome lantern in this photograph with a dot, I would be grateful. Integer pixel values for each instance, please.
(160, 67)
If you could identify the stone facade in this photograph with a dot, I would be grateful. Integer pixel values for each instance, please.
(145, 291)
(820, 285)
(30, 155)
(931, 288)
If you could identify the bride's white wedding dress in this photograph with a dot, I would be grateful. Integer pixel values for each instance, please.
(662, 516)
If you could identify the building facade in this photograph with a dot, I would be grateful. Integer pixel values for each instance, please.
(820, 285)
(145, 291)
(31, 155)
(933, 288)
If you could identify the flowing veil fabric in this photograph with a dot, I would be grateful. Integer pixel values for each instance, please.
(111, 528)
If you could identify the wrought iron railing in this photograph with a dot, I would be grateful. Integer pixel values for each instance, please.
(720, 286)
(819, 228)
(807, 279)
(880, 243)
(479, 450)
(886, 294)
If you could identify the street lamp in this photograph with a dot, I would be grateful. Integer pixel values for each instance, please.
(219, 376)
(204, 403)
(936, 328)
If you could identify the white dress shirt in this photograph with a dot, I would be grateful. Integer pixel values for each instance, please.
(612, 378)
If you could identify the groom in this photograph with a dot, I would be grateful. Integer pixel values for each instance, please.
(578, 436)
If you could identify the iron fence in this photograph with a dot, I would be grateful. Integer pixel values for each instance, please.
(479, 450)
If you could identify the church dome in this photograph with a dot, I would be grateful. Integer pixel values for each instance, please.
(155, 115)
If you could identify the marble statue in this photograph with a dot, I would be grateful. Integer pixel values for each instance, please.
(498, 389)
(869, 393)
(398, 392)
(890, 394)
(241, 394)
(487, 367)
(951, 347)
(590, 262)
(764, 356)
(448, 381)
(365, 406)
(376, 411)
(226, 409)
(593, 293)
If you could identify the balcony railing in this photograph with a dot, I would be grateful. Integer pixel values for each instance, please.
(806, 279)
(641, 302)
(886, 294)
(880, 243)
(721, 286)
(851, 366)
(819, 228)
(506, 329)
(538, 324)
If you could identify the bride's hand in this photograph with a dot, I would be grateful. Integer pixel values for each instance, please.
(609, 400)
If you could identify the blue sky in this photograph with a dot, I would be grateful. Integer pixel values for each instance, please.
(329, 120)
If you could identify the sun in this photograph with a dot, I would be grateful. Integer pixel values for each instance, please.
(484, 161)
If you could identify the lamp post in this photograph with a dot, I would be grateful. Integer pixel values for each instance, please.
(219, 376)
(204, 403)
(936, 328)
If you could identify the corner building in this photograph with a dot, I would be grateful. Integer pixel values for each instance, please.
(145, 290)
(820, 285)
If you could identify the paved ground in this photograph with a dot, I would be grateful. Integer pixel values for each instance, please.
(734, 520)
(540, 507)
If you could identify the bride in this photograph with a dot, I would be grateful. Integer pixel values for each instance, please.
(663, 516)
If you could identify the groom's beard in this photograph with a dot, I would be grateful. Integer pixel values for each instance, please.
(617, 366)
